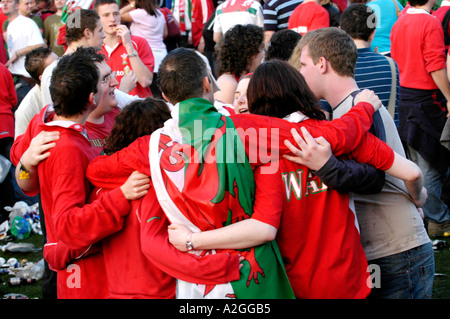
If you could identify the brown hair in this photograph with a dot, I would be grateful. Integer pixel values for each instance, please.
(237, 48)
(84, 19)
(334, 44)
(148, 5)
(139, 118)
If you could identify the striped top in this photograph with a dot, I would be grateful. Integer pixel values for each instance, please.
(374, 72)
(277, 13)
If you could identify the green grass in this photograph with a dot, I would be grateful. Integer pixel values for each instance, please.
(30, 290)
(441, 287)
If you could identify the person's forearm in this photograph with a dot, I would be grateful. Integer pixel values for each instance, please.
(26, 50)
(127, 8)
(442, 82)
(217, 36)
(27, 178)
(143, 74)
(410, 173)
(240, 235)
(267, 37)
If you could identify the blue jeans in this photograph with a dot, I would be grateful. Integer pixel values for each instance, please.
(406, 275)
(434, 209)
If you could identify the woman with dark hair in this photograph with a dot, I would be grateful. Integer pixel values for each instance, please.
(314, 226)
(239, 52)
(269, 93)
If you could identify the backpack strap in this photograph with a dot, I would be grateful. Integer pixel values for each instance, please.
(392, 97)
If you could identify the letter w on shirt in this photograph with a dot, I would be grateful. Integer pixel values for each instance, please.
(293, 184)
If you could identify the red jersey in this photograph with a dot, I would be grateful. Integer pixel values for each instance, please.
(8, 101)
(201, 11)
(141, 263)
(64, 193)
(307, 17)
(97, 133)
(418, 50)
(118, 60)
(317, 236)
(256, 131)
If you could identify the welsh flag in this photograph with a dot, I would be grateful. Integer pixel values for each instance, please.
(72, 5)
(205, 182)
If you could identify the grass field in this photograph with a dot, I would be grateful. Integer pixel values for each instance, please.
(441, 288)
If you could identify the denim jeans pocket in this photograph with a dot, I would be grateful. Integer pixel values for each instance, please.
(427, 277)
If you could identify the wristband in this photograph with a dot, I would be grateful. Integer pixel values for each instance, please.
(189, 244)
(135, 53)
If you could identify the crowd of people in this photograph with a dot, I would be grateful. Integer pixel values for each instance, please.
(290, 149)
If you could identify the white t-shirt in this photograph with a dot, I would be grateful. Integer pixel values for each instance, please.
(29, 107)
(232, 12)
(21, 33)
(45, 83)
(149, 27)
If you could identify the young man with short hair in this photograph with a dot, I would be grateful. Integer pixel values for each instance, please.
(392, 229)
(76, 88)
(129, 56)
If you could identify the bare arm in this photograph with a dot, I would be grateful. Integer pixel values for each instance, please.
(240, 235)
(143, 74)
(411, 174)
(22, 52)
(267, 37)
(124, 12)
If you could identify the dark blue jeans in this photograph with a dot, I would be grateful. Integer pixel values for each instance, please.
(406, 275)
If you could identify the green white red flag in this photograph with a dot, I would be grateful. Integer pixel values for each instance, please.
(205, 181)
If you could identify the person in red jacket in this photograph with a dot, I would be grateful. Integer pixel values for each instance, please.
(418, 47)
(8, 101)
(77, 86)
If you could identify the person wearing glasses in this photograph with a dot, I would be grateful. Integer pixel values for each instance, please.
(79, 82)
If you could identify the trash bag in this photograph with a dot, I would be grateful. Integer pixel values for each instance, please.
(5, 166)
(20, 228)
